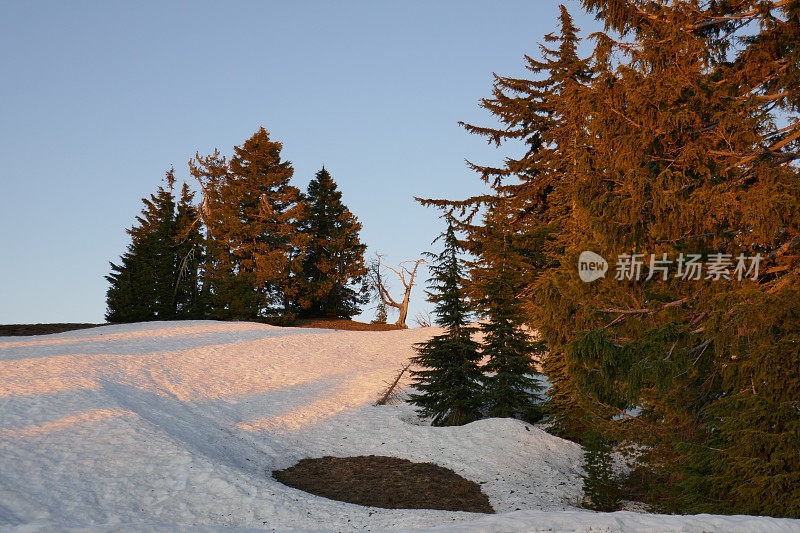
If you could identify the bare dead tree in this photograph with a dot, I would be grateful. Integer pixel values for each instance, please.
(406, 273)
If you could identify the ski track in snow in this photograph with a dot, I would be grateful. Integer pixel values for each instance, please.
(173, 426)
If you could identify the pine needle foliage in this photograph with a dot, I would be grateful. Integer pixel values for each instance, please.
(601, 488)
(679, 135)
(534, 112)
(448, 383)
(252, 215)
(510, 388)
(375, 280)
(381, 314)
(190, 294)
(333, 269)
(152, 280)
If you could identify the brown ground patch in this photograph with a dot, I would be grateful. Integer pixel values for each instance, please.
(7, 330)
(341, 323)
(387, 482)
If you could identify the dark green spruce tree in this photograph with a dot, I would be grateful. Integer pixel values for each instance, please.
(601, 488)
(448, 383)
(375, 280)
(381, 314)
(189, 292)
(539, 113)
(333, 272)
(146, 284)
(497, 281)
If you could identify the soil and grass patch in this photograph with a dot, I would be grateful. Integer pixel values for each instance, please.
(388, 482)
(341, 324)
(9, 330)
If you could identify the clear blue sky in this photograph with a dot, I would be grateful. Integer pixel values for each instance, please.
(99, 99)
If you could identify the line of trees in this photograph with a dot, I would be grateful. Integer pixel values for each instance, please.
(679, 134)
(254, 248)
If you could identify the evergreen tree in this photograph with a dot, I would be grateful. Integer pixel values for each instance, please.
(189, 293)
(144, 286)
(449, 383)
(375, 280)
(543, 114)
(252, 218)
(381, 314)
(669, 144)
(334, 272)
(600, 486)
(685, 179)
(496, 282)
(125, 300)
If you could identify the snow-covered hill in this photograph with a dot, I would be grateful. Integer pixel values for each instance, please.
(158, 426)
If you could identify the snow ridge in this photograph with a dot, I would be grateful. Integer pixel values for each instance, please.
(165, 426)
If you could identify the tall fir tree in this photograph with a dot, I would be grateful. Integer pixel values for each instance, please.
(449, 380)
(333, 272)
(252, 215)
(146, 284)
(540, 114)
(681, 155)
(679, 139)
(189, 293)
(497, 282)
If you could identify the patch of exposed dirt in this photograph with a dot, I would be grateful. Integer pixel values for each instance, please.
(8, 330)
(387, 482)
(342, 323)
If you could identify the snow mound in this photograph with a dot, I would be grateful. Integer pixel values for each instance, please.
(163, 426)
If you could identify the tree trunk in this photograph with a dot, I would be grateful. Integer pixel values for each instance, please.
(401, 320)
(406, 276)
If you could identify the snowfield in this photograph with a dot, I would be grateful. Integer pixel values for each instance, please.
(161, 426)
